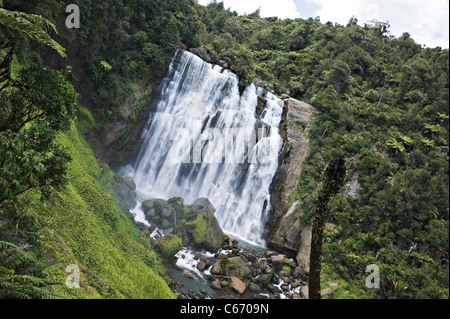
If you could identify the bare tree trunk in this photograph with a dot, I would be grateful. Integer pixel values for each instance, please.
(334, 178)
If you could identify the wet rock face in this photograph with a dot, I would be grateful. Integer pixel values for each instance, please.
(125, 188)
(284, 223)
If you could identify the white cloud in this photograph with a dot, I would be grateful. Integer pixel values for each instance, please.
(269, 8)
(426, 21)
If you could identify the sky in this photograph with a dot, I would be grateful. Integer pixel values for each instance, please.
(426, 21)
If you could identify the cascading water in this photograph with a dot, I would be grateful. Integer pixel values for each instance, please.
(206, 140)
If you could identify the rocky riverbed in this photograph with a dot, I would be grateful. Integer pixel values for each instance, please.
(240, 273)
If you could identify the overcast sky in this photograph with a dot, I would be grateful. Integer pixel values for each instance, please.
(426, 21)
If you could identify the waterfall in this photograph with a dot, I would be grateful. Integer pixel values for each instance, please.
(205, 139)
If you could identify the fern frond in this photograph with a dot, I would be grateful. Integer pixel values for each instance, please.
(30, 26)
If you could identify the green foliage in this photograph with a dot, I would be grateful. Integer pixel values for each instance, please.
(20, 26)
(39, 105)
(23, 276)
(382, 104)
(87, 228)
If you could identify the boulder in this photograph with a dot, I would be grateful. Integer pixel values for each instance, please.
(126, 195)
(326, 291)
(201, 266)
(147, 205)
(304, 250)
(278, 261)
(167, 246)
(215, 284)
(237, 285)
(236, 266)
(201, 203)
(254, 287)
(304, 292)
(264, 279)
(129, 181)
(205, 231)
(177, 204)
(299, 273)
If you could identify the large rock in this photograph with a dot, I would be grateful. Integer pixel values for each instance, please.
(237, 285)
(304, 251)
(126, 194)
(156, 207)
(205, 53)
(129, 182)
(236, 266)
(204, 231)
(201, 203)
(354, 187)
(286, 208)
(167, 246)
(304, 292)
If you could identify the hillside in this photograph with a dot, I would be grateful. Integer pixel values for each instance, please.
(84, 226)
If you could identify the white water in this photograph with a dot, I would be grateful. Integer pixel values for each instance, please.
(199, 143)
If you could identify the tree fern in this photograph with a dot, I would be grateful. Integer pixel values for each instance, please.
(18, 25)
(23, 276)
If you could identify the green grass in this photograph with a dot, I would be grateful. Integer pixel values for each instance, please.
(88, 229)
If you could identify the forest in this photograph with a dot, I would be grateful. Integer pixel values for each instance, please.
(381, 103)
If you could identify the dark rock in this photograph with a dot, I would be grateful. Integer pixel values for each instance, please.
(141, 225)
(201, 203)
(167, 246)
(201, 266)
(254, 287)
(285, 287)
(300, 273)
(264, 279)
(147, 205)
(189, 275)
(262, 101)
(215, 284)
(236, 266)
(304, 250)
(217, 268)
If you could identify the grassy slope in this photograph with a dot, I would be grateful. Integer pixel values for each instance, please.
(86, 228)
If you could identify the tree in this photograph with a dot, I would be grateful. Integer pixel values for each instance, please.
(40, 105)
(35, 106)
(334, 177)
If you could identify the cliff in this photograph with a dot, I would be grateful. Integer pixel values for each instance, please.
(284, 224)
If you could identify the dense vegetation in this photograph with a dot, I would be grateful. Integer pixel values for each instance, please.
(57, 206)
(382, 104)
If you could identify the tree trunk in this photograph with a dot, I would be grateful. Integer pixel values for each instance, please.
(334, 178)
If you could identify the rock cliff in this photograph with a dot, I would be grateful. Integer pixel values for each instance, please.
(284, 223)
